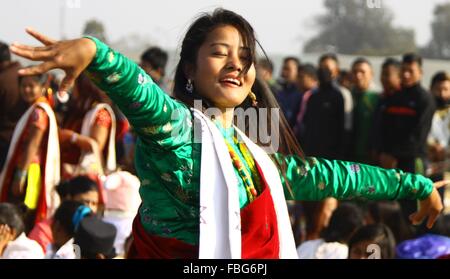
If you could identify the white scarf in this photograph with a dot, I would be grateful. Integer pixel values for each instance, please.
(52, 167)
(88, 122)
(220, 220)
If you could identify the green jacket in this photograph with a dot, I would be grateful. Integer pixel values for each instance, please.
(169, 166)
(365, 104)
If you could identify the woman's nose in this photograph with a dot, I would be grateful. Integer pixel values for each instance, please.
(235, 63)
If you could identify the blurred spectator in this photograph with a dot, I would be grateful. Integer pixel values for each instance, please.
(32, 167)
(330, 62)
(122, 203)
(65, 222)
(362, 243)
(345, 79)
(289, 97)
(390, 214)
(264, 67)
(95, 239)
(346, 219)
(12, 106)
(154, 61)
(14, 244)
(317, 216)
(365, 101)
(308, 82)
(439, 137)
(90, 121)
(405, 122)
(322, 133)
(78, 189)
(390, 76)
(390, 80)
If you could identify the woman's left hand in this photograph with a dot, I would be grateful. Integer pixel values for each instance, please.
(431, 206)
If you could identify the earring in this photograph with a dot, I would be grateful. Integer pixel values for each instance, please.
(253, 98)
(189, 86)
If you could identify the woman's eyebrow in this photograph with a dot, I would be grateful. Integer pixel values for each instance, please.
(220, 44)
(227, 45)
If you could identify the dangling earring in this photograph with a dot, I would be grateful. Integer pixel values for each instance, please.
(253, 98)
(189, 86)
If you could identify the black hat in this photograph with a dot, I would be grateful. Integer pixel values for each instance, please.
(95, 236)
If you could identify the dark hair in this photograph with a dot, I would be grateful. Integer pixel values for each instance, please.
(344, 74)
(410, 57)
(390, 214)
(326, 56)
(377, 234)
(5, 54)
(325, 78)
(345, 220)
(361, 60)
(439, 77)
(390, 61)
(75, 186)
(65, 215)
(156, 57)
(266, 64)
(309, 70)
(11, 215)
(292, 58)
(195, 37)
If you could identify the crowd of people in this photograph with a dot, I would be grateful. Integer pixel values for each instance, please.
(90, 167)
(337, 114)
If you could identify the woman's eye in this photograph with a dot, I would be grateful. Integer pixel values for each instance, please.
(219, 54)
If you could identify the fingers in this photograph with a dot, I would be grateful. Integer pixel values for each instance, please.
(32, 53)
(40, 37)
(432, 218)
(38, 69)
(66, 83)
(441, 183)
(4, 229)
(417, 218)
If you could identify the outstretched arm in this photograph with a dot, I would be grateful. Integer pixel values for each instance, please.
(146, 106)
(316, 179)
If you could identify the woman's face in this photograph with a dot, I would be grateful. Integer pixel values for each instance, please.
(442, 90)
(30, 89)
(220, 60)
(89, 199)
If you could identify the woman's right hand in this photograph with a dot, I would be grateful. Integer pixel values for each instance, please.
(72, 56)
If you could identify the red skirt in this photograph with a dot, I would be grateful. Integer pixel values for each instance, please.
(258, 226)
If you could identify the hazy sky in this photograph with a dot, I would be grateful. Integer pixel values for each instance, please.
(282, 26)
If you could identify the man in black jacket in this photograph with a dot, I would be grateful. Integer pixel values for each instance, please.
(405, 123)
(323, 122)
